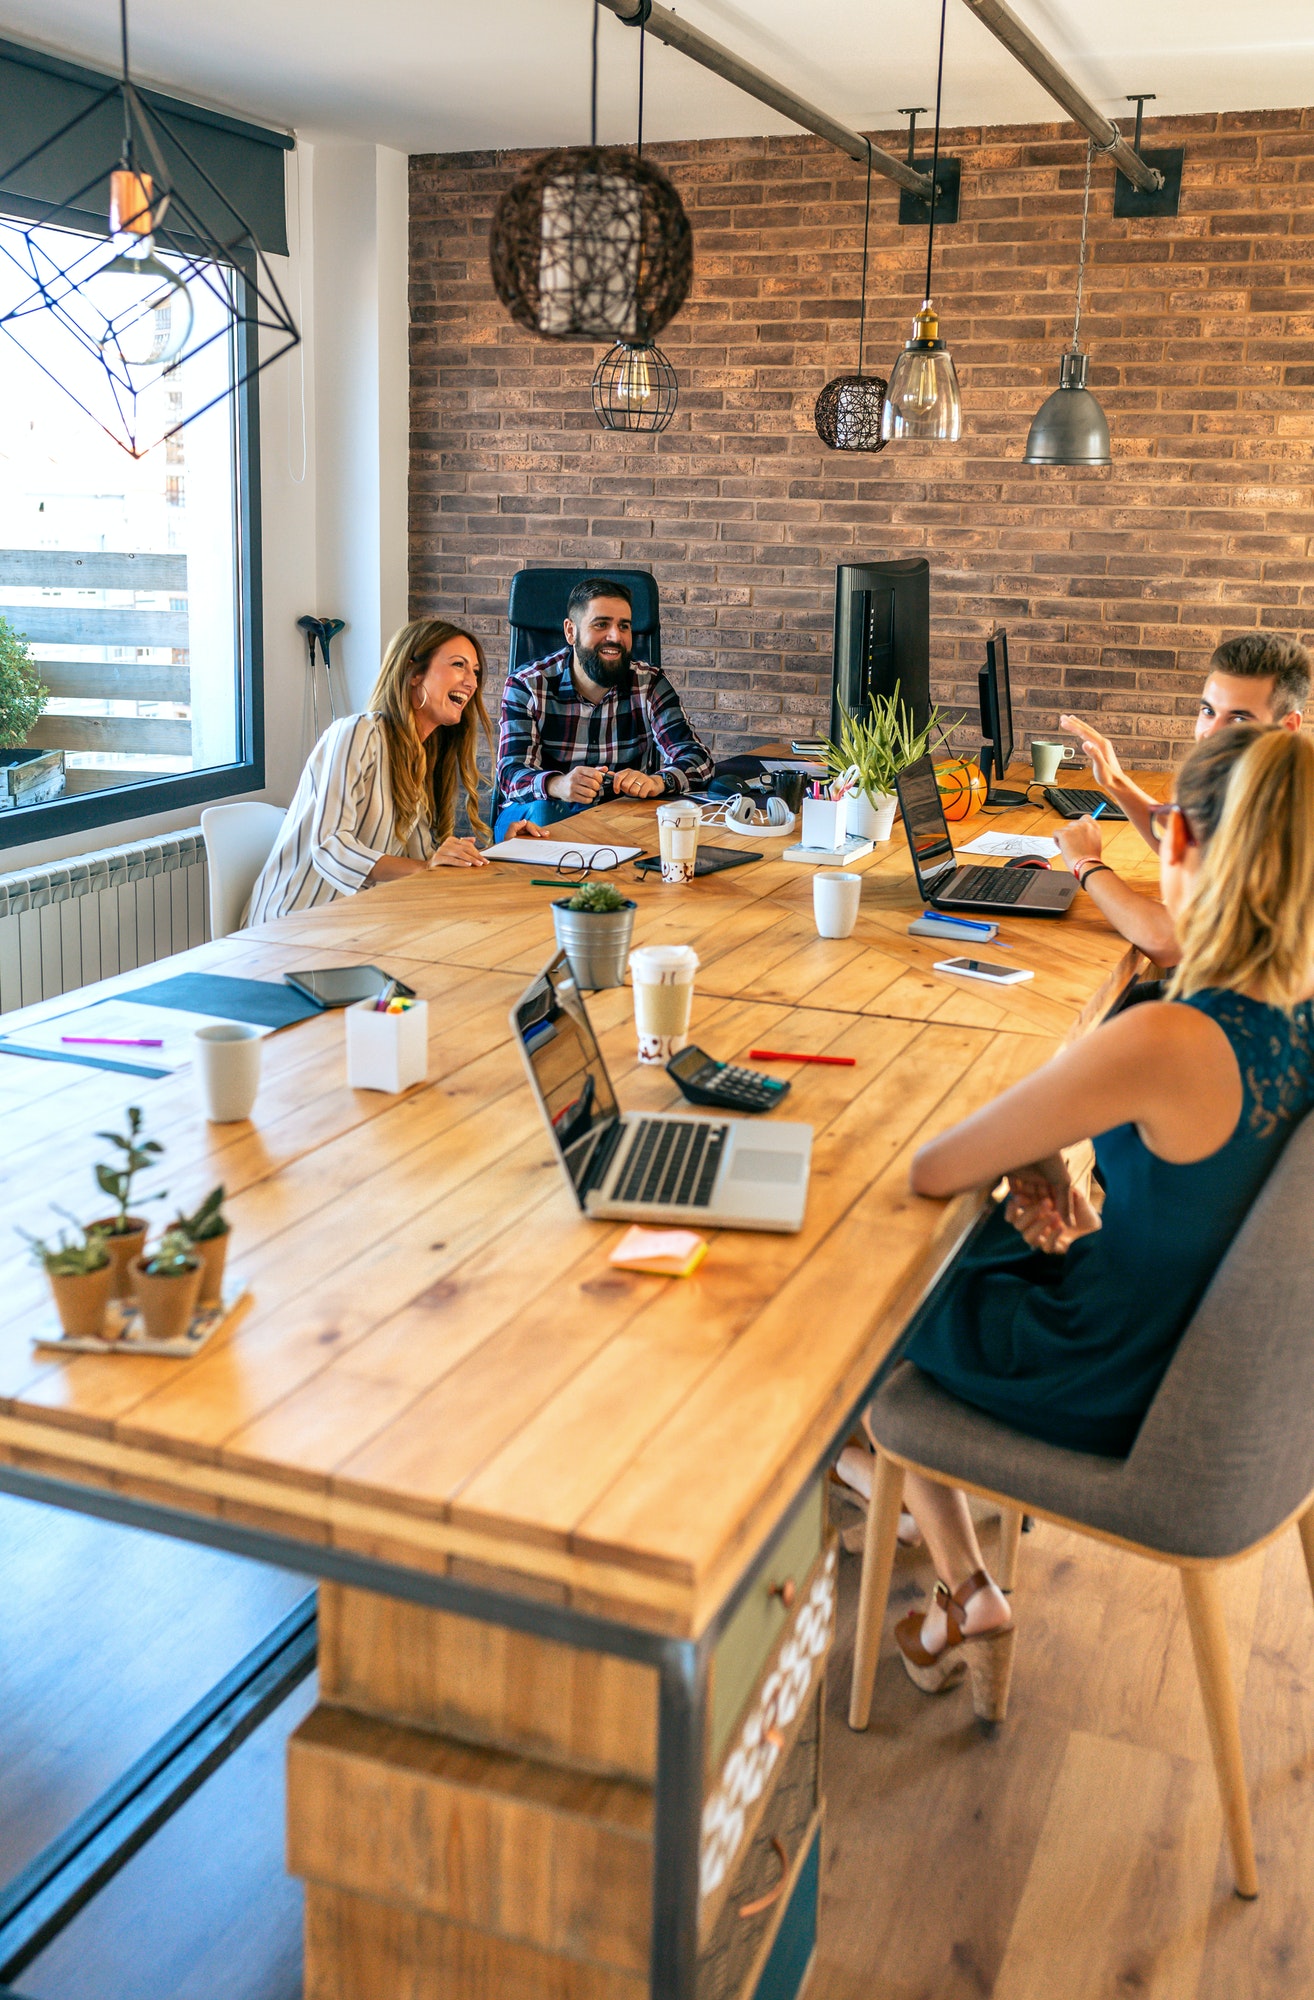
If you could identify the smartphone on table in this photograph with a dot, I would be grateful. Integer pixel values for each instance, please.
(979, 968)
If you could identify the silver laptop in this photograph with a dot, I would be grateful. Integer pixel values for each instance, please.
(995, 892)
(658, 1166)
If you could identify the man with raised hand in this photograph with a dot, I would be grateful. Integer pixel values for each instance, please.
(1260, 678)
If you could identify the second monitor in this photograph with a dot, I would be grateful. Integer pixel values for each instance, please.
(997, 721)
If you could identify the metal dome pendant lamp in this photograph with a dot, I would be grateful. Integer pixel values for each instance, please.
(1070, 428)
(923, 399)
(591, 242)
(634, 386)
(848, 412)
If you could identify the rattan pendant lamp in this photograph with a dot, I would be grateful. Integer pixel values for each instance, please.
(848, 412)
(1070, 428)
(923, 400)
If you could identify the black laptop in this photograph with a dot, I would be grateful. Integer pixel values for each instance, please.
(1027, 892)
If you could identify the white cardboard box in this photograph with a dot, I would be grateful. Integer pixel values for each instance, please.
(387, 1051)
(823, 824)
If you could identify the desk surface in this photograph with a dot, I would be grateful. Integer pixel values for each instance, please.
(438, 1367)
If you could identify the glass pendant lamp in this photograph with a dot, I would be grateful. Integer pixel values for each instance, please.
(1070, 428)
(923, 399)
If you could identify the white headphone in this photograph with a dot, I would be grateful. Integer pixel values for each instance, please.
(769, 820)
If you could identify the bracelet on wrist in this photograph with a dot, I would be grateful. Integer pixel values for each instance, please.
(1085, 869)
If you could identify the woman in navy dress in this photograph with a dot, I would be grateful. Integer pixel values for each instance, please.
(1060, 1321)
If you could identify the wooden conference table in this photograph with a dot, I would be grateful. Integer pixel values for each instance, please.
(576, 1585)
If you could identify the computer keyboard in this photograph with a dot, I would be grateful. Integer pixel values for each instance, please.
(1001, 885)
(672, 1160)
(1072, 802)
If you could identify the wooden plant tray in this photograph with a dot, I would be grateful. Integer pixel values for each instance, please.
(131, 1339)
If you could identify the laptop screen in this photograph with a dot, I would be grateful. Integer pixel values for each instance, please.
(566, 1065)
(924, 822)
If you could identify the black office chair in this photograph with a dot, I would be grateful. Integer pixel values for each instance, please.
(537, 606)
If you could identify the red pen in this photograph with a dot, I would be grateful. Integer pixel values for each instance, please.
(783, 1055)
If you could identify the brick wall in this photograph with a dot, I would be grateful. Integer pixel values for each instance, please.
(1115, 584)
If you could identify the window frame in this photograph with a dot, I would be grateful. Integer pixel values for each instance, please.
(112, 805)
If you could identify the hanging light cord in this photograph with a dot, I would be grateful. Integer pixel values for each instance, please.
(593, 99)
(935, 150)
(866, 227)
(127, 79)
(1081, 261)
(643, 29)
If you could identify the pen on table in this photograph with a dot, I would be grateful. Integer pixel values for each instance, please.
(115, 1041)
(786, 1055)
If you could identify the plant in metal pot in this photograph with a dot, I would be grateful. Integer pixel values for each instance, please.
(80, 1274)
(168, 1283)
(125, 1232)
(207, 1229)
(594, 927)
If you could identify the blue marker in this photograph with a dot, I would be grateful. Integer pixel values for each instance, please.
(1099, 808)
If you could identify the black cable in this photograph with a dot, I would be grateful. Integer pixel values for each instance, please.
(866, 226)
(643, 25)
(127, 78)
(935, 150)
(593, 109)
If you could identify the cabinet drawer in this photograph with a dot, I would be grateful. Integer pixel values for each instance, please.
(743, 1648)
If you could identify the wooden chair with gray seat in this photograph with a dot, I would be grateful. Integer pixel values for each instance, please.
(1223, 1462)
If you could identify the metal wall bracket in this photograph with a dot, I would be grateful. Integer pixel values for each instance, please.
(914, 209)
(1129, 200)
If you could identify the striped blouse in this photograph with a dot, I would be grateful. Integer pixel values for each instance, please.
(337, 826)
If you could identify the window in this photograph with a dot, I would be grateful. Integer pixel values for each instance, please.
(133, 583)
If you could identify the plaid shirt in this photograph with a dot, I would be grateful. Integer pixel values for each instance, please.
(547, 728)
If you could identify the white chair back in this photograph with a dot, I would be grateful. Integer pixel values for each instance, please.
(238, 842)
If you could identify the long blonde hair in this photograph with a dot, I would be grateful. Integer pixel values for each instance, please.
(424, 774)
(1250, 922)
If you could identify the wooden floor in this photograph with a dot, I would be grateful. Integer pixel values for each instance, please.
(1076, 1857)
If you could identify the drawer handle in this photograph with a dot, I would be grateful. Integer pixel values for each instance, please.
(786, 1592)
(760, 1903)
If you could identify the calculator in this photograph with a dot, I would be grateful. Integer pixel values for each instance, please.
(706, 1081)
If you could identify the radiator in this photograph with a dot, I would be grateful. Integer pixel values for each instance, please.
(70, 922)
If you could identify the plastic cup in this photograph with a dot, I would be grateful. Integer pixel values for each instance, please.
(1046, 758)
(835, 899)
(226, 1057)
(663, 977)
(678, 821)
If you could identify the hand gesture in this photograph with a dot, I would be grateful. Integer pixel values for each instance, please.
(577, 787)
(1109, 774)
(1080, 840)
(638, 785)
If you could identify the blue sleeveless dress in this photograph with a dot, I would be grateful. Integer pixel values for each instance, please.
(1071, 1349)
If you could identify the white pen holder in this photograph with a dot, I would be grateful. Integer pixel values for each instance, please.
(823, 824)
(387, 1051)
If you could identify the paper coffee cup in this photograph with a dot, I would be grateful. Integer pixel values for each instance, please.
(226, 1057)
(678, 821)
(663, 979)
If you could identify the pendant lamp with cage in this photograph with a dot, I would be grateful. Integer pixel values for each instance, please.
(1070, 428)
(849, 408)
(923, 399)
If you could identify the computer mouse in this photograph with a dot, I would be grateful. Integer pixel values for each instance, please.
(1027, 861)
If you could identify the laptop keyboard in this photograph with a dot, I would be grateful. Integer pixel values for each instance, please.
(672, 1160)
(1072, 801)
(997, 885)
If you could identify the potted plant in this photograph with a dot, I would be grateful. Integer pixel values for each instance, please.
(168, 1282)
(80, 1274)
(27, 777)
(125, 1233)
(594, 928)
(871, 751)
(207, 1230)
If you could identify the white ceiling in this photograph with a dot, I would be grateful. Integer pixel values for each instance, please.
(446, 75)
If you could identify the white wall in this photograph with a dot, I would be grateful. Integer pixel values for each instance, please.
(333, 489)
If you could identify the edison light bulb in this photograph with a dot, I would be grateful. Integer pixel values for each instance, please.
(634, 378)
(147, 309)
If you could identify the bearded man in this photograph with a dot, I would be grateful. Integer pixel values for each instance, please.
(591, 722)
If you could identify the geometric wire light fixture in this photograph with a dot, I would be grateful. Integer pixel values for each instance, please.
(923, 400)
(128, 305)
(1070, 428)
(848, 411)
(591, 243)
(635, 387)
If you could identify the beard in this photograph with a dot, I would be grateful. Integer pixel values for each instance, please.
(604, 673)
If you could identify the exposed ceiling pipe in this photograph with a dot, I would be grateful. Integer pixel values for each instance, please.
(1020, 42)
(678, 34)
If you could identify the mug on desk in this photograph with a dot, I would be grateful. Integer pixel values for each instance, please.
(1047, 756)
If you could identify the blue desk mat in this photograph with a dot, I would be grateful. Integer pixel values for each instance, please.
(262, 1002)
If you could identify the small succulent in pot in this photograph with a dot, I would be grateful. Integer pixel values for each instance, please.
(598, 898)
(126, 1232)
(168, 1282)
(80, 1273)
(594, 928)
(207, 1229)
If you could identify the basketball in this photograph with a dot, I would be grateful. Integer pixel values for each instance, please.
(962, 787)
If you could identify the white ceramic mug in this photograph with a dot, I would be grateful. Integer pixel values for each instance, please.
(1046, 758)
(678, 821)
(226, 1056)
(835, 899)
(663, 976)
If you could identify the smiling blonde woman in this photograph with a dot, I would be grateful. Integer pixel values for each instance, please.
(377, 799)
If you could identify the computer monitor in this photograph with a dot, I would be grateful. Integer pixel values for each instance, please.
(997, 721)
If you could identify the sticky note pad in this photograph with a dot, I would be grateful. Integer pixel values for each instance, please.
(666, 1253)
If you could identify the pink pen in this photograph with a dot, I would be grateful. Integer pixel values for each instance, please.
(112, 1042)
